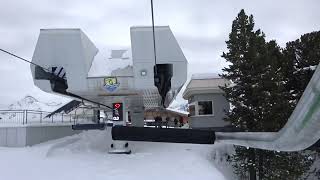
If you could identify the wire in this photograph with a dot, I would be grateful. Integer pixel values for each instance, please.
(154, 37)
(23, 59)
(68, 93)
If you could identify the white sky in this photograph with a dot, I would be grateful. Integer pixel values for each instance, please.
(200, 26)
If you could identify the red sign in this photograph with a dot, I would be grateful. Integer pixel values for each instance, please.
(117, 105)
(117, 112)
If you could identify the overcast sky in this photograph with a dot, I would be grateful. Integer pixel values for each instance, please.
(200, 26)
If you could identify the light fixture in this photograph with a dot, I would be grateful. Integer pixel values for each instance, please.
(143, 72)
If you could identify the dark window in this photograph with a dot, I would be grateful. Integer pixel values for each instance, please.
(205, 107)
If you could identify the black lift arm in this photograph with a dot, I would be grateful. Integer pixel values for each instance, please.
(171, 135)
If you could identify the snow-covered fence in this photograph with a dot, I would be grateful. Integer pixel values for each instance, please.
(39, 117)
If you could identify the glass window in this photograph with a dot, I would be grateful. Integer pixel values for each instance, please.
(205, 107)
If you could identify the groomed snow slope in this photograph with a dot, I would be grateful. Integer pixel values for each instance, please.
(84, 156)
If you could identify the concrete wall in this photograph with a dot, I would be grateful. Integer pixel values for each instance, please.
(220, 105)
(12, 136)
(36, 135)
(21, 136)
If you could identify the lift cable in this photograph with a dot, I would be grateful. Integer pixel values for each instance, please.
(154, 37)
(68, 93)
(23, 59)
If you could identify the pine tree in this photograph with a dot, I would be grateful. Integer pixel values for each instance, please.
(260, 99)
(246, 47)
(301, 57)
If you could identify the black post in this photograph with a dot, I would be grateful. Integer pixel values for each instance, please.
(40, 117)
(52, 118)
(75, 116)
(22, 117)
(98, 116)
(26, 116)
(62, 117)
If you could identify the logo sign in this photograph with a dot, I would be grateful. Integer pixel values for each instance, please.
(110, 84)
(117, 112)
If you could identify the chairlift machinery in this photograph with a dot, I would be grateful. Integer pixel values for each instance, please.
(157, 72)
(149, 85)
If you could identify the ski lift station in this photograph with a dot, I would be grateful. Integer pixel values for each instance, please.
(148, 77)
(144, 79)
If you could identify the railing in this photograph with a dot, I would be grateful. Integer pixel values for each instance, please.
(39, 117)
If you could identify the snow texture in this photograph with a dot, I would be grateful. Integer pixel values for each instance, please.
(84, 156)
(178, 110)
(106, 62)
(205, 76)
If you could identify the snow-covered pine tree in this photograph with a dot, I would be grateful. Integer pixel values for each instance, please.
(302, 56)
(260, 100)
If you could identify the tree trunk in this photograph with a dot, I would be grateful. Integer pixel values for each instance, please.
(260, 167)
(252, 171)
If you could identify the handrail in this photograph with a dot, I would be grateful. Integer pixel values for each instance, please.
(34, 116)
(21, 110)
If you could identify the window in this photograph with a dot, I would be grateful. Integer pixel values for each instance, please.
(205, 108)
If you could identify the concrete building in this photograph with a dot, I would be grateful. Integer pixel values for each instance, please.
(207, 105)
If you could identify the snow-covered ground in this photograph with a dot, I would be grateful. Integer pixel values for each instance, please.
(84, 156)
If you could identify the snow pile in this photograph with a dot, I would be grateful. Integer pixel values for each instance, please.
(220, 156)
(84, 156)
(180, 106)
(178, 111)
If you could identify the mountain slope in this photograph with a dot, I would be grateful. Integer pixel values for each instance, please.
(31, 103)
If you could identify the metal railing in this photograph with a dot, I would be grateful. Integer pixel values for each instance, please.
(39, 117)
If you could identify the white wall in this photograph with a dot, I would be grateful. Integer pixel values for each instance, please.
(30, 135)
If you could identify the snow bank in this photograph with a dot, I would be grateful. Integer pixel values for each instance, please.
(84, 157)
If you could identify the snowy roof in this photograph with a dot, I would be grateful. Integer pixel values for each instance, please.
(205, 76)
(204, 84)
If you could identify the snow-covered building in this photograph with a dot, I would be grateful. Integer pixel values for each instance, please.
(207, 105)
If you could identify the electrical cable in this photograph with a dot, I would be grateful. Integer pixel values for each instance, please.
(16, 56)
(68, 93)
(154, 38)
